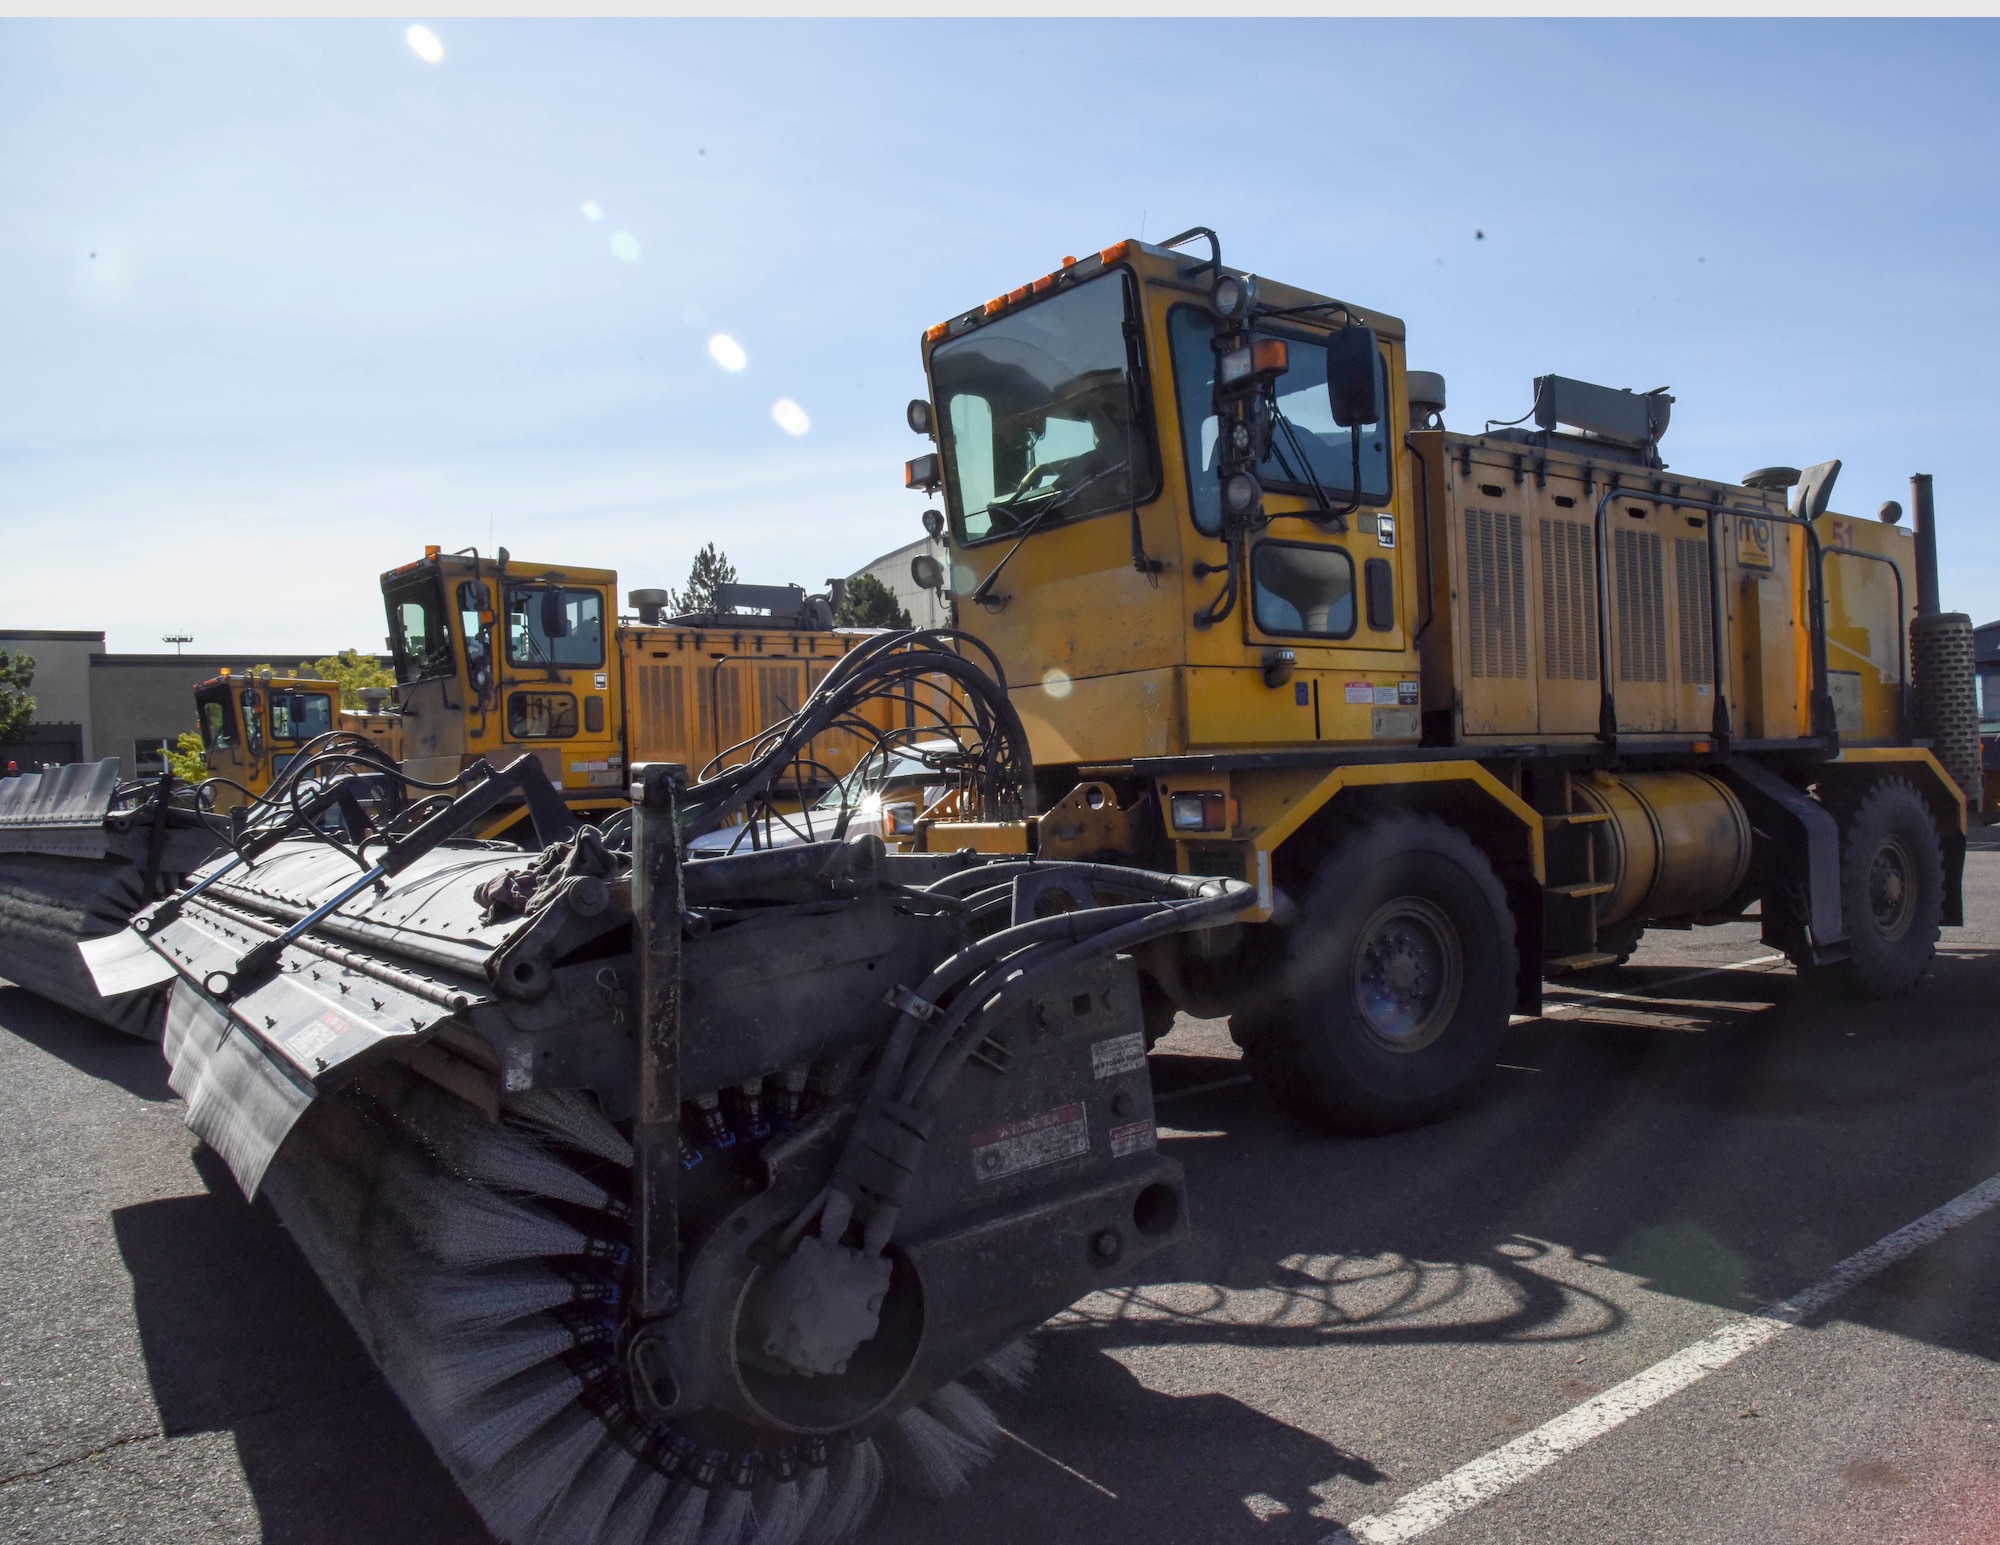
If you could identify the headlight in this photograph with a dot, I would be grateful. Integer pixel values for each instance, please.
(1234, 296)
(1241, 494)
(1200, 812)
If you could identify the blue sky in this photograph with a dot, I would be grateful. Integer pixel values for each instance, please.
(280, 302)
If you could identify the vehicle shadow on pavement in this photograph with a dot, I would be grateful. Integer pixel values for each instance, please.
(1235, 1472)
(238, 1336)
(1727, 1141)
(133, 1065)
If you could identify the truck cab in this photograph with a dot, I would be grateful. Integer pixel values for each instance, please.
(494, 657)
(253, 725)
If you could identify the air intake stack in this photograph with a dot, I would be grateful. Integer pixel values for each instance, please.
(1941, 662)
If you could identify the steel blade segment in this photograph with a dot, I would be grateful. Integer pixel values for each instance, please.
(318, 1015)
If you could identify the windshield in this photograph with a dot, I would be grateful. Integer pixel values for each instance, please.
(1316, 447)
(880, 769)
(217, 724)
(417, 634)
(300, 715)
(577, 637)
(1036, 413)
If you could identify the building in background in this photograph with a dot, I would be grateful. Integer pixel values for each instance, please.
(90, 704)
(893, 569)
(61, 690)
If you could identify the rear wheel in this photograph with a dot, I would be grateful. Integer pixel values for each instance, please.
(1397, 985)
(1891, 888)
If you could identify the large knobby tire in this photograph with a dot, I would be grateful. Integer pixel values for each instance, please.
(1398, 982)
(1891, 888)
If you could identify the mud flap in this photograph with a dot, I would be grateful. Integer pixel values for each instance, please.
(239, 1102)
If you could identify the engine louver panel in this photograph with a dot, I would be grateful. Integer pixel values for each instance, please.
(1696, 610)
(660, 728)
(1642, 610)
(1496, 594)
(1569, 602)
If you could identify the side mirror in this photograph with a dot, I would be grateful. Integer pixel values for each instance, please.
(1352, 376)
(555, 616)
(927, 572)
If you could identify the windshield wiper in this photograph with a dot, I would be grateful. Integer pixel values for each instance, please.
(980, 595)
(1336, 518)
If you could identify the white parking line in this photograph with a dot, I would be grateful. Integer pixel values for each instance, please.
(1653, 988)
(1420, 1511)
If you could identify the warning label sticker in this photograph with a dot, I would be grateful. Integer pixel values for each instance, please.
(1385, 697)
(1360, 692)
(317, 1036)
(1120, 1054)
(1133, 1138)
(1063, 1133)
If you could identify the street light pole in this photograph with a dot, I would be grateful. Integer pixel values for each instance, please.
(177, 639)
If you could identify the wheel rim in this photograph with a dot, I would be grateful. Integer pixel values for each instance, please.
(1892, 888)
(1407, 972)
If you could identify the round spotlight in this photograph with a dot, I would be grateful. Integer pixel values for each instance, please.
(918, 416)
(1234, 295)
(1241, 494)
(934, 524)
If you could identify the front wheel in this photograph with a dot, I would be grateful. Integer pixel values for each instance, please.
(1891, 888)
(1397, 984)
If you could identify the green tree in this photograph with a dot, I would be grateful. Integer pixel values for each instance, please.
(710, 569)
(17, 709)
(870, 604)
(351, 670)
(187, 758)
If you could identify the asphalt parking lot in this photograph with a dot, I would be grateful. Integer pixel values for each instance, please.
(1353, 1322)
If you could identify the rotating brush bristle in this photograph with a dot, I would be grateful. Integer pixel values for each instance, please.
(484, 1266)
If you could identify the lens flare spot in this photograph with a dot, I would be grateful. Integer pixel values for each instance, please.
(790, 417)
(625, 246)
(1055, 682)
(592, 210)
(424, 44)
(727, 352)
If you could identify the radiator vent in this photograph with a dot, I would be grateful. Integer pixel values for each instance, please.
(1496, 594)
(780, 690)
(1642, 607)
(659, 729)
(1569, 602)
(1696, 610)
